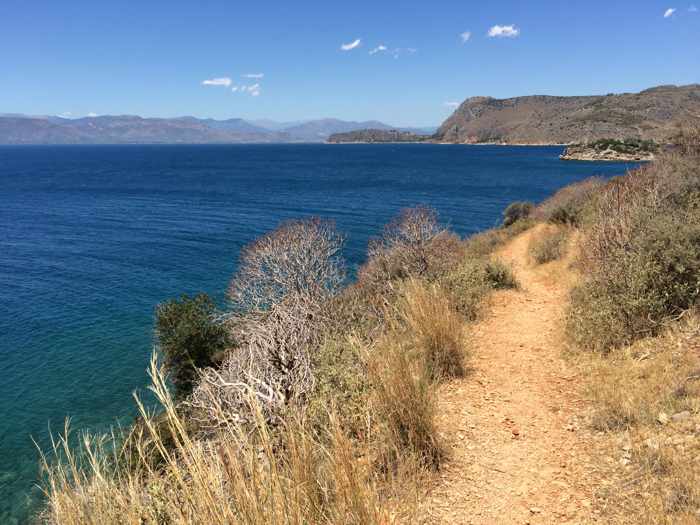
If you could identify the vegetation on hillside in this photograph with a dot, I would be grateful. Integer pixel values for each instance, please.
(628, 146)
(635, 309)
(321, 406)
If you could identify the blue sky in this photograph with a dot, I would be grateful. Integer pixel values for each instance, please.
(151, 57)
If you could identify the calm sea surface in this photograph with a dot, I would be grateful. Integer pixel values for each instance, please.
(92, 238)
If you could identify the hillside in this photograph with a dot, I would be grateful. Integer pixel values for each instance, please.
(376, 135)
(653, 114)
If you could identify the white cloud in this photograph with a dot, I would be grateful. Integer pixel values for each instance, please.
(223, 81)
(465, 36)
(66, 114)
(257, 76)
(669, 12)
(351, 45)
(693, 9)
(380, 48)
(452, 105)
(504, 31)
(253, 90)
(92, 114)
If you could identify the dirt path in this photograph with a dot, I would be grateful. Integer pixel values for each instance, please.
(517, 453)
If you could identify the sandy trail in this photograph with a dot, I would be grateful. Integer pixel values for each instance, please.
(517, 454)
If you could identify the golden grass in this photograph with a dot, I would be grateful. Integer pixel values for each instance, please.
(259, 475)
(646, 400)
(436, 327)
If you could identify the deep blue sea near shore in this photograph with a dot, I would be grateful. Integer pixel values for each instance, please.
(93, 237)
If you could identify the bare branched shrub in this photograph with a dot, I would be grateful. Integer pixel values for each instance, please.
(300, 258)
(413, 245)
(279, 292)
(273, 364)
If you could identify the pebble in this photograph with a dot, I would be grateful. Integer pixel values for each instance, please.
(680, 416)
(662, 418)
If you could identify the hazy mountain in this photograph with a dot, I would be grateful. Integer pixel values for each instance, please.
(320, 130)
(653, 114)
(131, 129)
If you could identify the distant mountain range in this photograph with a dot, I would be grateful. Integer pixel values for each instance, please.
(654, 114)
(130, 129)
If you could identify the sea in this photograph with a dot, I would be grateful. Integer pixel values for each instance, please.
(92, 238)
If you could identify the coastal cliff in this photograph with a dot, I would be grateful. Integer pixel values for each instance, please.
(654, 114)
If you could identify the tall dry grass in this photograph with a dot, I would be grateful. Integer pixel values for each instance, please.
(256, 475)
(436, 328)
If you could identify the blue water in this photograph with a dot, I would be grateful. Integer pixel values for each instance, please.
(92, 238)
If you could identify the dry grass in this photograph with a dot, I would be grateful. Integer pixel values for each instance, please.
(436, 328)
(258, 475)
(646, 399)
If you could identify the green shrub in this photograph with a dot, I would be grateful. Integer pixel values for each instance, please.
(548, 246)
(637, 286)
(188, 338)
(340, 371)
(472, 280)
(516, 211)
(499, 275)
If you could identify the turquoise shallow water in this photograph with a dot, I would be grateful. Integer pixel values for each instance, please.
(93, 237)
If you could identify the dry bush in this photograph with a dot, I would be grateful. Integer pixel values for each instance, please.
(436, 328)
(340, 368)
(567, 206)
(274, 364)
(640, 253)
(548, 246)
(414, 245)
(284, 281)
(300, 258)
(251, 475)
